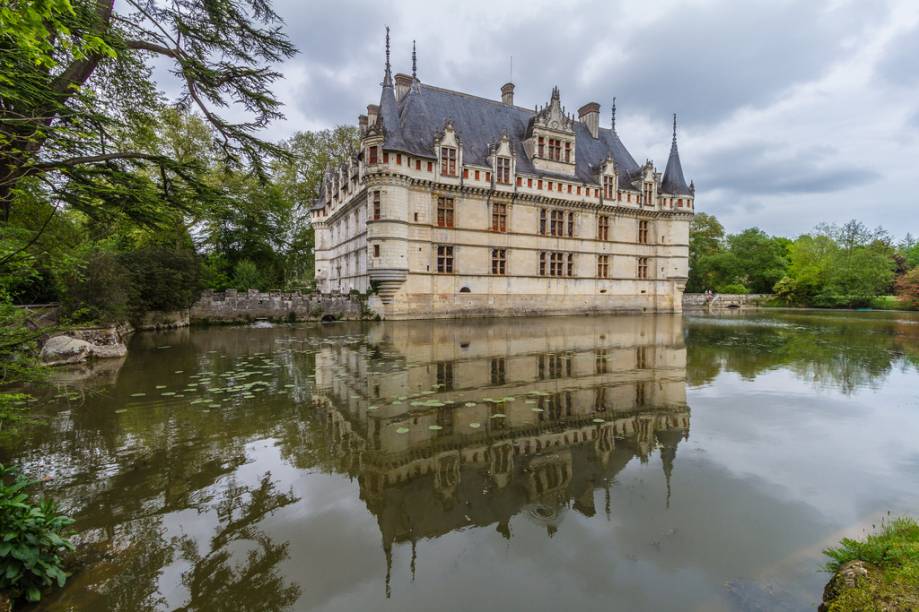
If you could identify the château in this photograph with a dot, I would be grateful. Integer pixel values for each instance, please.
(457, 205)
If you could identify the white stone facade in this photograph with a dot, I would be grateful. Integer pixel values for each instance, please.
(544, 241)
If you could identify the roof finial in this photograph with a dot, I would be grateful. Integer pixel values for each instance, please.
(414, 63)
(674, 129)
(614, 113)
(387, 77)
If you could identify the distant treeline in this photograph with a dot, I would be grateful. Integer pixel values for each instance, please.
(846, 266)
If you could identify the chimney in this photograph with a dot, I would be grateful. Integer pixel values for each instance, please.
(403, 84)
(372, 111)
(362, 123)
(507, 94)
(589, 114)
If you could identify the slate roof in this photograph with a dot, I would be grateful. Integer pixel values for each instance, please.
(480, 122)
(673, 181)
(412, 124)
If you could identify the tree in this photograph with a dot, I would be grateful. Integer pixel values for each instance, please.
(908, 289)
(706, 236)
(76, 83)
(760, 259)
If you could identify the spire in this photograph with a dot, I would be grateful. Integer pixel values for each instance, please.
(555, 93)
(387, 76)
(414, 63)
(614, 113)
(673, 181)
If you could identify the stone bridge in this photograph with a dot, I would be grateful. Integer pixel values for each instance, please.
(699, 301)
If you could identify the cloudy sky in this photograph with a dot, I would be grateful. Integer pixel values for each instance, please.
(791, 113)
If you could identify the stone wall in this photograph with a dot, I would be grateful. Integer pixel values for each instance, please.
(233, 306)
(698, 301)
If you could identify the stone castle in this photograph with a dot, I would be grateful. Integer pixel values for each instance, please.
(457, 205)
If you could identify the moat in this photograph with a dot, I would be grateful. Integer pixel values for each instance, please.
(696, 462)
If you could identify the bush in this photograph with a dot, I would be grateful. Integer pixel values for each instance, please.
(33, 539)
(733, 289)
(161, 279)
(96, 289)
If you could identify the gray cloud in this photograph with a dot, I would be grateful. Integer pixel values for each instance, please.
(717, 63)
(761, 168)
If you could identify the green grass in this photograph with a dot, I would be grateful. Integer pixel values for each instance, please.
(894, 550)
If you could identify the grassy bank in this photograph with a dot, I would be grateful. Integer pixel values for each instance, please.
(891, 558)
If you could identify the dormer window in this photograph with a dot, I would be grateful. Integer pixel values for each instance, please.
(503, 170)
(542, 147)
(448, 161)
(608, 187)
(555, 149)
(373, 155)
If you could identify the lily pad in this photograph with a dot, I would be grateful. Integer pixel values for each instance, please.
(138, 394)
(475, 425)
(599, 420)
(435, 427)
(499, 416)
(471, 404)
(161, 386)
(402, 430)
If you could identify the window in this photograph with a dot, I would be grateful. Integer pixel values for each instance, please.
(542, 221)
(556, 263)
(373, 155)
(555, 149)
(498, 376)
(417, 164)
(385, 157)
(398, 159)
(477, 175)
(642, 267)
(376, 250)
(504, 170)
(641, 357)
(445, 259)
(448, 161)
(556, 222)
(603, 266)
(445, 375)
(377, 206)
(642, 232)
(603, 227)
(499, 217)
(542, 147)
(602, 361)
(649, 195)
(444, 212)
(571, 225)
(430, 166)
(568, 152)
(608, 187)
(498, 261)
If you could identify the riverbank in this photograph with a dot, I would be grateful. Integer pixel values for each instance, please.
(880, 572)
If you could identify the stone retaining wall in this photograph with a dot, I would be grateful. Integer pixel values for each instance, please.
(698, 301)
(233, 306)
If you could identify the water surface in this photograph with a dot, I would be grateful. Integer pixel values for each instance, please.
(614, 463)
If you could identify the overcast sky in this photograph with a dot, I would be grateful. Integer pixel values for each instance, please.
(791, 113)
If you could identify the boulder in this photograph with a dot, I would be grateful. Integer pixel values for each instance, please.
(62, 350)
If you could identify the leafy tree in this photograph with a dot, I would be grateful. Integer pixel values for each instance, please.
(96, 289)
(161, 278)
(908, 289)
(706, 235)
(246, 275)
(760, 259)
(77, 79)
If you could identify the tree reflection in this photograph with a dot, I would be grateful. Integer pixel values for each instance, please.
(218, 579)
(845, 353)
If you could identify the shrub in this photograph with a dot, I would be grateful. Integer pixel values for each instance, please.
(733, 289)
(161, 279)
(95, 289)
(32, 540)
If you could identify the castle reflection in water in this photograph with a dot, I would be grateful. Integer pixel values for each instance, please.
(452, 424)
